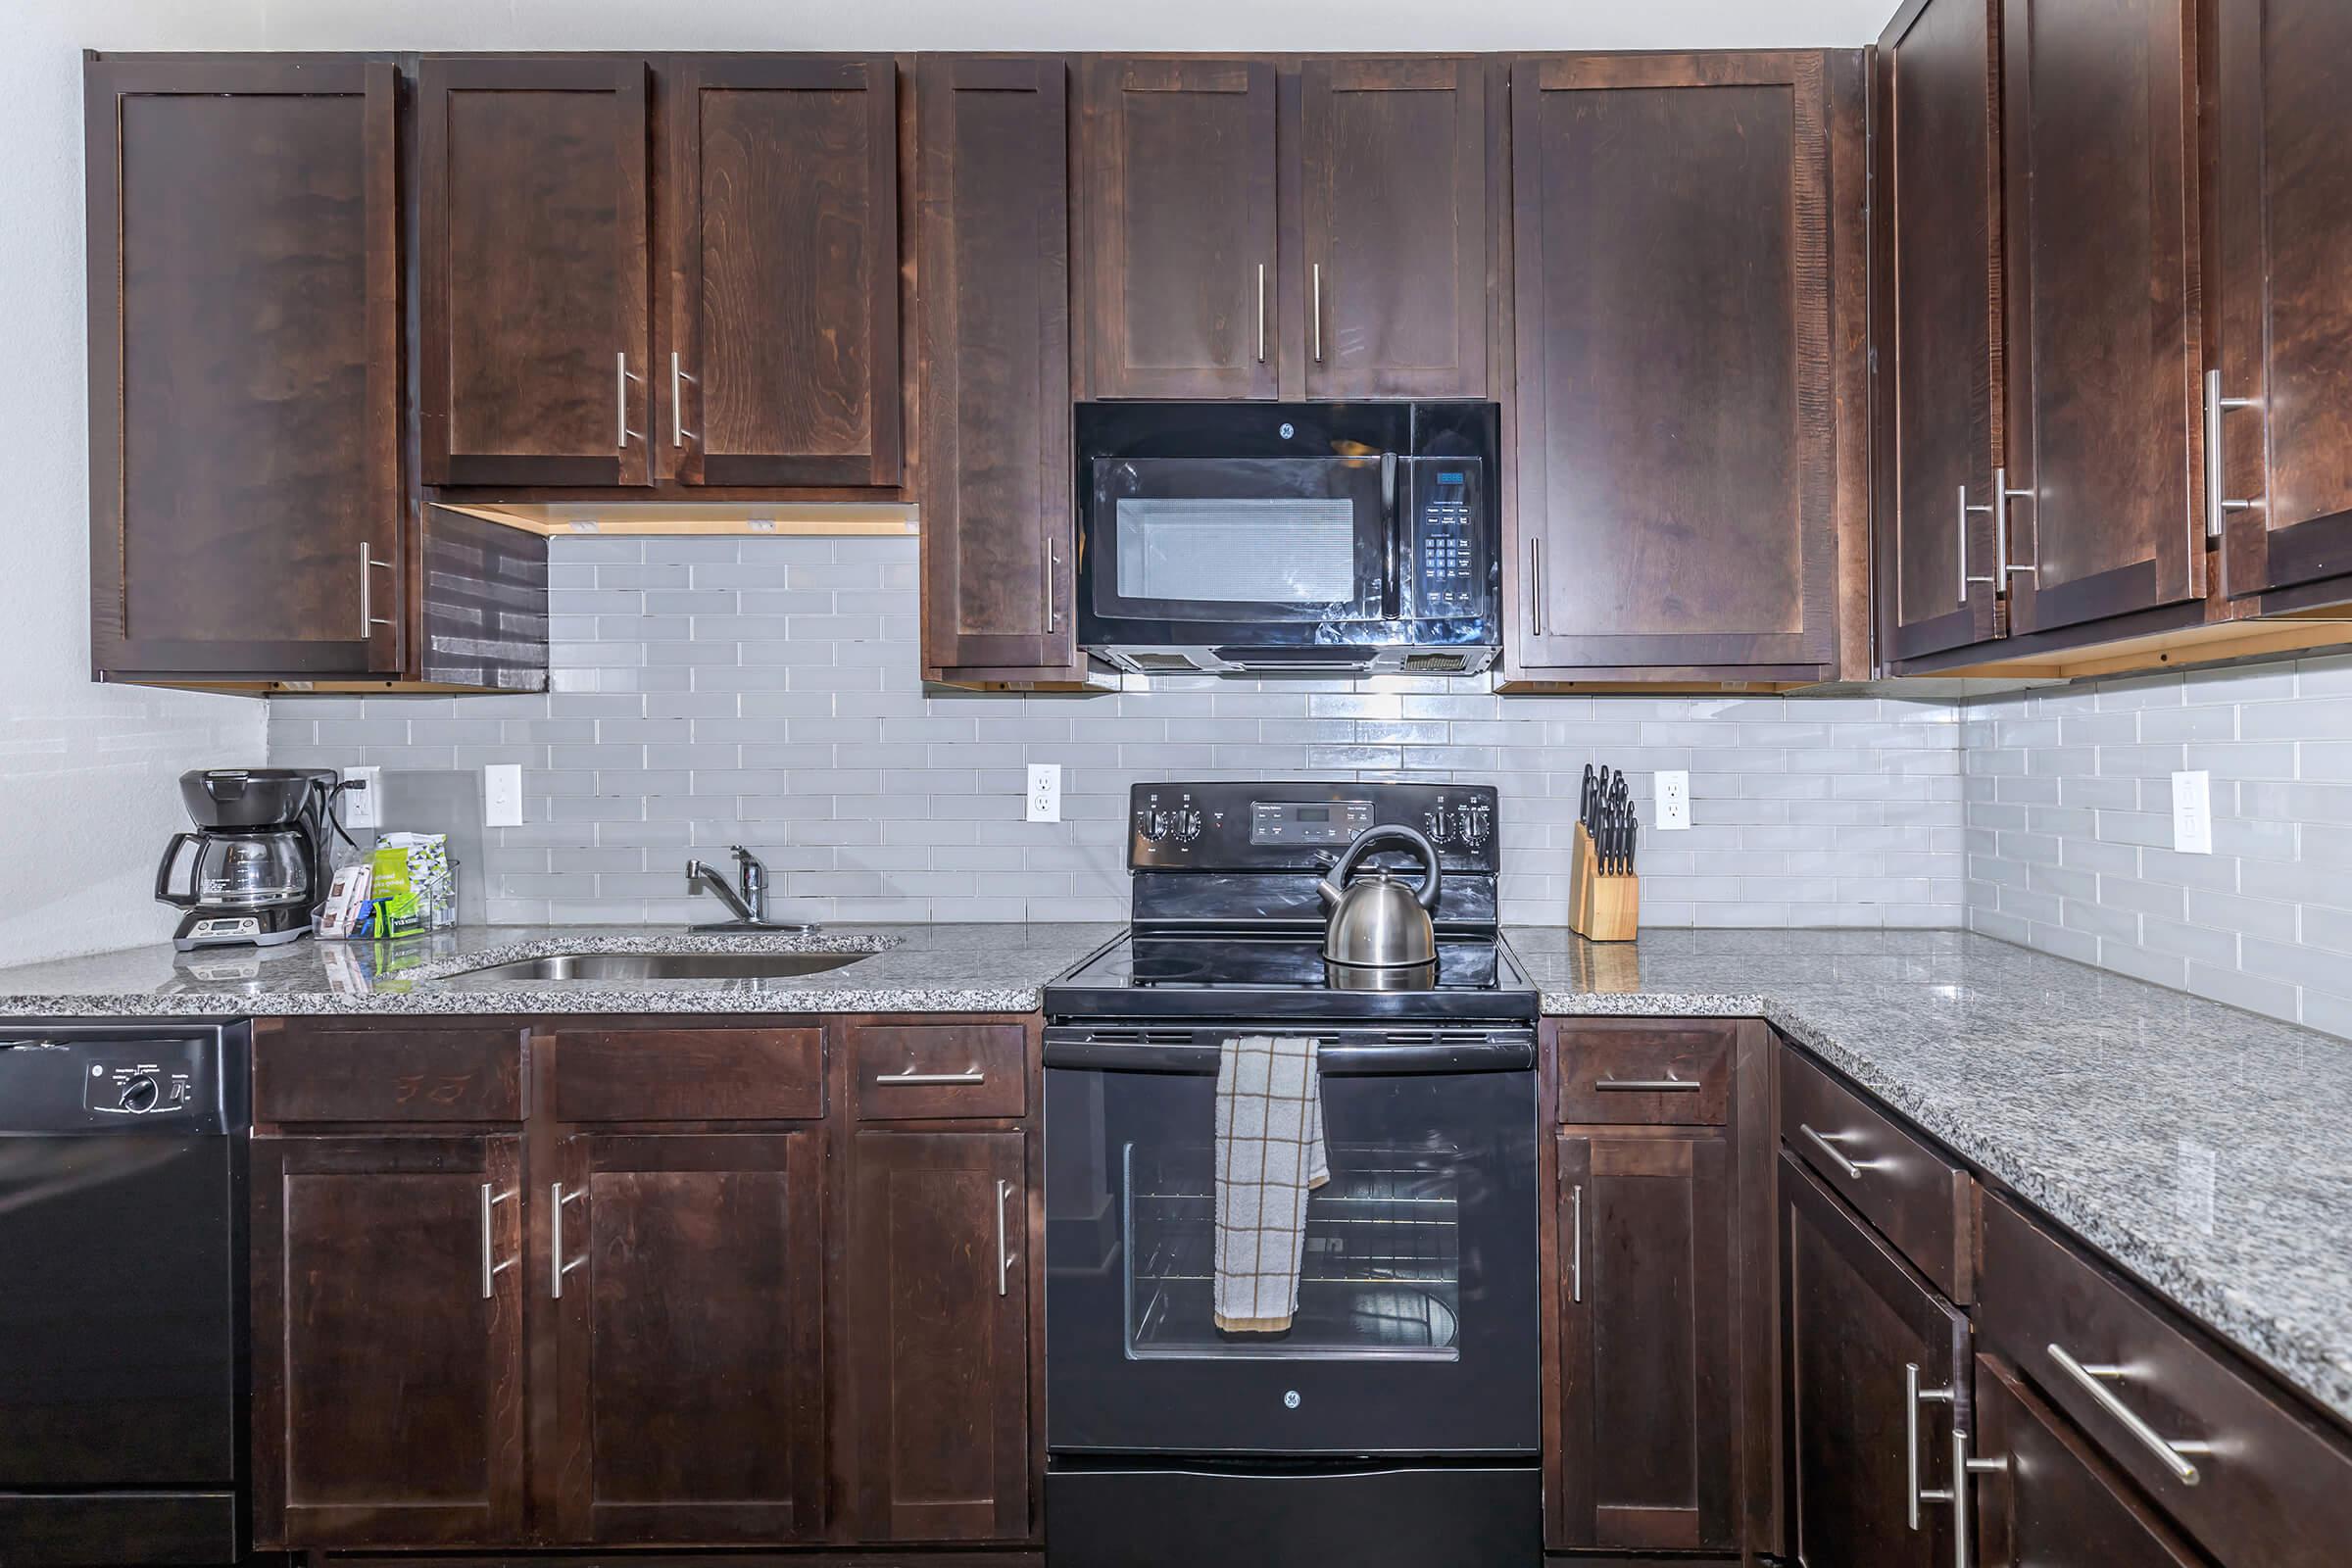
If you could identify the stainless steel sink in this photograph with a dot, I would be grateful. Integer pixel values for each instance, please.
(665, 966)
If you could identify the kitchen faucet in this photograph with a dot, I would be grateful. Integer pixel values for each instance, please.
(751, 905)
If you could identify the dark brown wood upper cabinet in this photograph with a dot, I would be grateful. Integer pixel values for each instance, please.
(686, 1273)
(1938, 308)
(245, 385)
(388, 1282)
(1181, 189)
(537, 353)
(1877, 1367)
(2282, 229)
(2099, 143)
(781, 206)
(992, 221)
(1394, 197)
(1647, 1325)
(939, 1268)
(1677, 420)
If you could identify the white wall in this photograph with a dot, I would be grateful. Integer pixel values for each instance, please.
(86, 772)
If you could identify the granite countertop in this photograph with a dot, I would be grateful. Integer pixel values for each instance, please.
(911, 968)
(2205, 1149)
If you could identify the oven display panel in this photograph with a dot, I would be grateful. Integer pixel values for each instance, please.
(1299, 822)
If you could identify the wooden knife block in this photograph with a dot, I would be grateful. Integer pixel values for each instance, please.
(1601, 909)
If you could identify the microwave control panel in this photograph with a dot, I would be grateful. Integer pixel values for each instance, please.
(1450, 562)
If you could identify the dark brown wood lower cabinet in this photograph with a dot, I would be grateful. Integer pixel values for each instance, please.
(1647, 1342)
(1876, 1365)
(938, 1350)
(2054, 1503)
(387, 1321)
(687, 1272)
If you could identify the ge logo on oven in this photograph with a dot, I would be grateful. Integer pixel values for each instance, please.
(1289, 1400)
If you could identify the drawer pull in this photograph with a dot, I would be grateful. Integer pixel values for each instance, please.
(1648, 1086)
(1828, 1145)
(2093, 1381)
(970, 1075)
(1913, 1398)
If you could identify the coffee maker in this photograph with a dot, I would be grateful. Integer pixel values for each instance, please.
(257, 861)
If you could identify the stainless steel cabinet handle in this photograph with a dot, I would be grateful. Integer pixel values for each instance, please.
(2002, 495)
(677, 400)
(1913, 1398)
(491, 1266)
(1317, 269)
(1004, 1258)
(1535, 587)
(2217, 510)
(1828, 1145)
(369, 619)
(2093, 1381)
(1576, 1243)
(970, 1075)
(1648, 1086)
(1965, 580)
(1261, 313)
(621, 399)
(557, 1268)
(1053, 587)
(1962, 1468)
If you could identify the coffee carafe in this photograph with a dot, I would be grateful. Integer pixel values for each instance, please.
(253, 869)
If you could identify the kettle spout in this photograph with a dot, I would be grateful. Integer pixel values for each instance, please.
(1328, 892)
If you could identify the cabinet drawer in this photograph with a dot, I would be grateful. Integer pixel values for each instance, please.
(2273, 1489)
(2054, 1503)
(1918, 1197)
(348, 1072)
(773, 1073)
(920, 1072)
(1616, 1072)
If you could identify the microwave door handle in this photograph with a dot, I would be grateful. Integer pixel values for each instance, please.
(1393, 524)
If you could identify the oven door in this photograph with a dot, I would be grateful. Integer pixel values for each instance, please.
(1200, 550)
(1416, 1331)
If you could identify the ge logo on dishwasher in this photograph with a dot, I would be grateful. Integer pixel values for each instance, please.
(1289, 1400)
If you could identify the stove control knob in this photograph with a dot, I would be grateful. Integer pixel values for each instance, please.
(139, 1095)
(1187, 824)
(1153, 825)
(1438, 826)
(1475, 824)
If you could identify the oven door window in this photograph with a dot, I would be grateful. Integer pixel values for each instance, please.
(1229, 540)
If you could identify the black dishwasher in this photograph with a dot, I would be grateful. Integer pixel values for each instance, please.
(121, 1292)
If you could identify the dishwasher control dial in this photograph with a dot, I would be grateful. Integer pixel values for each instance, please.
(139, 1095)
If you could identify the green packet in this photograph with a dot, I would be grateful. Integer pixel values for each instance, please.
(398, 910)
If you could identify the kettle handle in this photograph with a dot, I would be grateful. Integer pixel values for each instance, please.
(1371, 839)
(163, 875)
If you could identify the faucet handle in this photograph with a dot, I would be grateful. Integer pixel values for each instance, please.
(742, 856)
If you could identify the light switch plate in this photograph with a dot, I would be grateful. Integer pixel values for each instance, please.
(1673, 800)
(1045, 792)
(502, 795)
(2192, 812)
(364, 805)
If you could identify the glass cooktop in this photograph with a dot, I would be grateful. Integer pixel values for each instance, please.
(1287, 976)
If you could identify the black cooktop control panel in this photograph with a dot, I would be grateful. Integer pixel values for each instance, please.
(1294, 826)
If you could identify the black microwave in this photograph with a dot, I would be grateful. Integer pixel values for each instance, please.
(1356, 538)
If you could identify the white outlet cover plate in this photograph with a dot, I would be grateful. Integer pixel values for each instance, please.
(364, 807)
(1045, 792)
(2192, 812)
(1673, 800)
(502, 795)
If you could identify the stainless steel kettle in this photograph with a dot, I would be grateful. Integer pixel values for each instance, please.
(1381, 922)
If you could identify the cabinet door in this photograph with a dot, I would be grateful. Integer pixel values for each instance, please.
(783, 220)
(1393, 190)
(1863, 1333)
(1676, 428)
(2282, 120)
(1647, 1344)
(993, 222)
(2053, 1504)
(532, 197)
(687, 1272)
(2100, 144)
(1180, 224)
(1938, 325)
(245, 488)
(387, 1342)
(939, 1335)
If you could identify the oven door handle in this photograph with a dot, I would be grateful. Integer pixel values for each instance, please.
(1504, 1054)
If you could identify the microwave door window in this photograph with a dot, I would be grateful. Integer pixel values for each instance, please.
(1295, 553)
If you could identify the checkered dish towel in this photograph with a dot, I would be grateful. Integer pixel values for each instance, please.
(1269, 1157)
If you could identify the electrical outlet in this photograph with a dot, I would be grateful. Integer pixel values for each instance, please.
(1673, 800)
(2192, 812)
(1045, 792)
(363, 805)
(502, 795)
